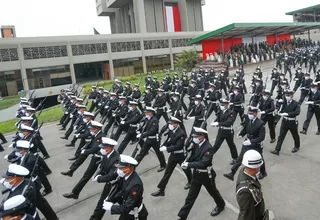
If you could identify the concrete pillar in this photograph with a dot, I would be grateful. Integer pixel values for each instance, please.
(182, 4)
(144, 62)
(222, 44)
(23, 69)
(110, 61)
(140, 16)
(71, 64)
(171, 54)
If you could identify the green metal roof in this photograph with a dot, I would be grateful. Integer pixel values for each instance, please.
(307, 10)
(256, 29)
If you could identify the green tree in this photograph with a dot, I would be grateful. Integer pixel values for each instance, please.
(187, 60)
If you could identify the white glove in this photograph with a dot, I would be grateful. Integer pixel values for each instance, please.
(106, 107)
(71, 115)
(6, 157)
(107, 205)
(280, 100)
(191, 118)
(263, 112)
(77, 135)
(122, 122)
(283, 114)
(309, 103)
(214, 124)
(184, 165)
(113, 115)
(74, 128)
(11, 146)
(67, 113)
(163, 148)
(169, 111)
(83, 151)
(247, 142)
(239, 136)
(95, 178)
(138, 136)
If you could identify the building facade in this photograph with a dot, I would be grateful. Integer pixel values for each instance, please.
(142, 16)
(49, 63)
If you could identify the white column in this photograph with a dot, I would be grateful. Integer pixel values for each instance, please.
(144, 62)
(23, 69)
(171, 54)
(140, 16)
(110, 60)
(73, 74)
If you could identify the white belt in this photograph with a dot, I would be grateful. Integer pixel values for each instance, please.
(139, 209)
(152, 137)
(178, 151)
(289, 119)
(226, 128)
(134, 126)
(204, 170)
(215, 102)
(161, 107)
(238, 105)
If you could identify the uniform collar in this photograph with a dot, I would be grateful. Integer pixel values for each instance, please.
(109, 155)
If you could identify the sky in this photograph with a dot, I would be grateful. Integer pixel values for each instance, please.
(78, 17)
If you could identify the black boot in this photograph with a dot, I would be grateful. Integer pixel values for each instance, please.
(71, 195)
(67, 173)
(230, 176)
(160, 192)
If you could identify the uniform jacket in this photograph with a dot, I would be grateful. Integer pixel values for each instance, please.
(236, 99)
(315, 97)
(255, 131)
(201, 157)
(176, 140)
(292, 108)
(127, 91)
(122, 111)
(151, 127)
(93, 95)
(198, 112)
(226, 119)
(93, 147)
(108, 168)
(267, 106)
(133, 118)
(136, 94)
(160, 101)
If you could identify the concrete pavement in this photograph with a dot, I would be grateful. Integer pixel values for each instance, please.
(291, 189)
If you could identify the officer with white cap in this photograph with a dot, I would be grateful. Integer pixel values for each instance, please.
(248, 189)
(106, 173)
(15, 208)
(160, 105)
(76, 121)
(131, 206)
(200, 160)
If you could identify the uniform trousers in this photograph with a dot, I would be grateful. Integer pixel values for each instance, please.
(99, 211)
(2, 138)
(161, 112)
(70, 129)
(270, 119)
(229, 138)
(41, 147)
(43, 205)
(44, 181)
(143, 215)
(199, 179)
(303, 96)
(81, 144)
(286, 126)
(146, 145)
(129, 137)
(173, 160)
(315, 111)
(66, 122)
(91, 169)
(76, 164)
(63, 118)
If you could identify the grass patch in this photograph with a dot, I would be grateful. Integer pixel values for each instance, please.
(8, 102)
(47, 115)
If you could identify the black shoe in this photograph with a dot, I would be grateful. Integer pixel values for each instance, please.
(229, 176)
(62, 129)
(295, 150)
(47, 173)
(1, 150)
(71, 195)
(216, 211)
(134, 142)
(276, 152)
(272, 141)
(158, 193)
(233, 161)
(46, 157)
(64, 137)
(67, 173)
(303, 132)
(73, 158)
(261, 176)
(161, 169)
(46, 192)
(318, 133)
(69, 145)
(187, 186)
(4, 142)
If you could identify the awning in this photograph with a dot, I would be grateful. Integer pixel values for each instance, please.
(309, 10)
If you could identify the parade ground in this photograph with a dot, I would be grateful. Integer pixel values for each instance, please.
(291, 189)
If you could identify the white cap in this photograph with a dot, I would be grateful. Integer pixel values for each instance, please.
(108, 141)
(126, 160)
(16, 170)
(30, 109)
(25, 106)
(13, 202)
(96, 124)
(23, 99)
(133, 103)
(252, 159)
(81, 106)
(199, 131)
(173, 120)
(198, 97)
(79, 99)
(25, 127)
(23, 144)
(88, 114)
(122, 97)
(149, 109)
(25, 118)
(101, 88)
(73, 97)
(113, 94)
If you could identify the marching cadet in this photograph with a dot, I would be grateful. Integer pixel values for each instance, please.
(200, 161)
(290, 110)
(31, 112)
(110, 107)
(119, 113)
(255, 134)
(127, 91)
(76, 120)
(119, 88)
(69, 112)
(66, 105)
(149, 132)
(287, 66)
(115, 85)
(248, 189)
(97, 99)
(257, 93)
(91, 147)
(192, 92)
(136, 94)
(130, 196)
(176, 109)
(225, 120)
(3, 141)
(236, 102)
(213, 97)
(15, 208)
(298, 78)
(92, 96)
(160, 105)
(313, 103)
(173, 145)
(197, 112)
(148, 97)
(275, 77)
(312, 63)
(155, 85)
(130, 124)
(223, 82)
(267, 108)
(106, 173)
(185, 86)
(305, 87)
(26, 158)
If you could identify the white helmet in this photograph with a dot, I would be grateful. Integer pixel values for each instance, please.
(252, 159)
